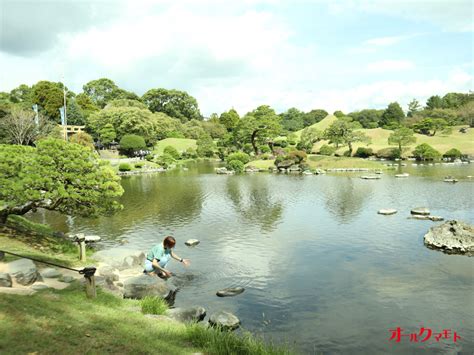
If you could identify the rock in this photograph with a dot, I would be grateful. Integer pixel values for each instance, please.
(225, 320)
(111, 274)
(162, 318)
(39, 287)
(66, 279)
(452, 236)
(420, 211)
(404, 175)
(121, 258)
(188, 314)
(436, 218)
(251, 169)
(23, 271)
(5, 280)
(370, 177)
(285, 164)
(450, 180)
(294, 168)
(50, 273)
(91, 238)
(387, 211)
(307, 172)
(224, 171)
(192, 242)
(230, 291)
(147, 285)
(420, 217)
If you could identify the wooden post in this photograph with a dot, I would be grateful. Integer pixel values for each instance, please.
(90, 286)
(82, 248)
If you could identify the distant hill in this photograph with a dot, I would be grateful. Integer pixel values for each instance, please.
(321, 125)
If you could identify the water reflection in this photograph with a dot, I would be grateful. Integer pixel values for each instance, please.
(252, 199)
(345, 198)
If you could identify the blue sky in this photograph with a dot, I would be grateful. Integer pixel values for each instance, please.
(346, 55)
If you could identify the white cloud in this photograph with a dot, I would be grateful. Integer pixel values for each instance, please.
(384, 66)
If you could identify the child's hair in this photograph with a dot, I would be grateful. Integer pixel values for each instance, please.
(169, 242)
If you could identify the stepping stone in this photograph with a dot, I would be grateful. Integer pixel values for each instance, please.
(420, 211)
(387, 211)
(370, 177)
(436, 218)
(187, 314)
(224, 320)
(66, 279)
(50, 273)
(230, 291)
(39, 287)
(192, 242)
(402, 175)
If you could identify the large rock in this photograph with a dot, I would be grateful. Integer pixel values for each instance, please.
(147, 285)
(5, 280)
(224, 320)
(23, 271)
(111, 274)
(121, 258)
(192, 242)
(189, 314)
(387, 211)
(285, 164)
(452, 236)
(50, 273)
(420, 211)
(230, 291)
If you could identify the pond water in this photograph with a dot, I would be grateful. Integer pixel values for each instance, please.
(322, 270)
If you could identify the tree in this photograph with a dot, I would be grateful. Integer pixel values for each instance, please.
(50, 97)
(75, 115)
(466, 113)
(402, 137)
(205, 146)
(102, 91)
(126, 103)
(86, 105)
(367, 118)
(57, 176)
(434, 102)
(19, 127)
(309, 136)
(22, 94)
(175, 103)
(339, 114)
(258, 127)
(107, 134)
(229, 119)
(83, 139)
(426, 152)
(343, 131)
(214, 128)
(313, 116)
(392, 116)
(167, 127)
(453, 154)
(130, 143)
(292, 120)
(413, 107)
(430, 126)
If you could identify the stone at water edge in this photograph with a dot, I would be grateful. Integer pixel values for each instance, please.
(66, 279)
(230, 291)
(453, 236)
(23, 271)
(111, 274)
(39, 287)
(225, 320)
(420, 211)
(387, 211)
(50, 273)
(147, 285)
(436, 218)
(192, 242)
(188, 314)
(5, 280)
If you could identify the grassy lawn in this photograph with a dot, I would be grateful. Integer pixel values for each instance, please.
(181, 144)
(321, 125)
(67, 322)
(325, 162)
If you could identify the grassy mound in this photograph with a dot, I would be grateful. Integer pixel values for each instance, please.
(181, 144)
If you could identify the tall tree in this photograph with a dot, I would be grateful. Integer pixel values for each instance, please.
(314, 116)
(229, 119)
(57, 176)
(367, 118)
(402, 137)
(392, 116)
(434, 102)
(258, 127)
(175, 103)
(292, 120)
(413, 107)
(22, 94)
(343, 131)
(102, 91)
(50, 97)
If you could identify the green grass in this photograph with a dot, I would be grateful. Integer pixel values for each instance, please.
(181, 144)
(23, 224)
(321, 125)
(153, 305)
(66, 321)
(261, 164)
(330, 162)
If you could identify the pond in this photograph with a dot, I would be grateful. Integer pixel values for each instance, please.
(322, 270)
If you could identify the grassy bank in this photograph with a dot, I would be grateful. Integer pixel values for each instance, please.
(181, 144)
(65, 321)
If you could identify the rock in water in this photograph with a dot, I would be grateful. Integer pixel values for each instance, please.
(192, 242)
(5, 280)
(387, 211)
(452, 236)
(231, 291)
(50, 273)
(188, 314)
(147, 285)
(121, 258)
(420, 211)
(23, 271)
(225, 320)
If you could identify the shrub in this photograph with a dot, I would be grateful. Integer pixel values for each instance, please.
(131, 142)
(171, 151)
(149, 157)
(347, 153)
(388, 153)
(265, 156)
(240, 156)
(190, 153)
(139, 165)
(338, 114)
(362, 152)
(291, 139)
(235, 165)
(280, 142)
(297, 156)
(165, 160)
(453, 154)
(426, 152)
(264, 149)
(247, 148)
(327, 150)
(153, 305)
(125, 167)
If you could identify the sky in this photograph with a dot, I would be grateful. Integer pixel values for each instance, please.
(336, 55)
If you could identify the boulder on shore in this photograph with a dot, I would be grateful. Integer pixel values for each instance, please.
(188, 314)
(5, 280)
(23, 271)
(224, 320)
(147, 285)
(451, 236)
(50, 273)
(121, 258)
(192, 242)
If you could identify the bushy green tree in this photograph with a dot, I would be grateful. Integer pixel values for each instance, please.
(172, 151)
(367, 118)
(453, 154)
(292, 120)
(205, 146)
(83, 139)
(107, 134)
(343, 131)
(130, 143)
(102, 91)
(402, 137)
(339, 114)
(413, 107)
(426, 152)
(57, 176)
(50, 97)
(430, 126)
(240, 156)
(175, 103)
(126, 103)
(309, 136)
(392, 117)
(327, 150)
(229, 119)
(434, 102)
(314, 116)
(235, 165)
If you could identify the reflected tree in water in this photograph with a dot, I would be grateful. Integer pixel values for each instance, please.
(345, 198)
(252, 199)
